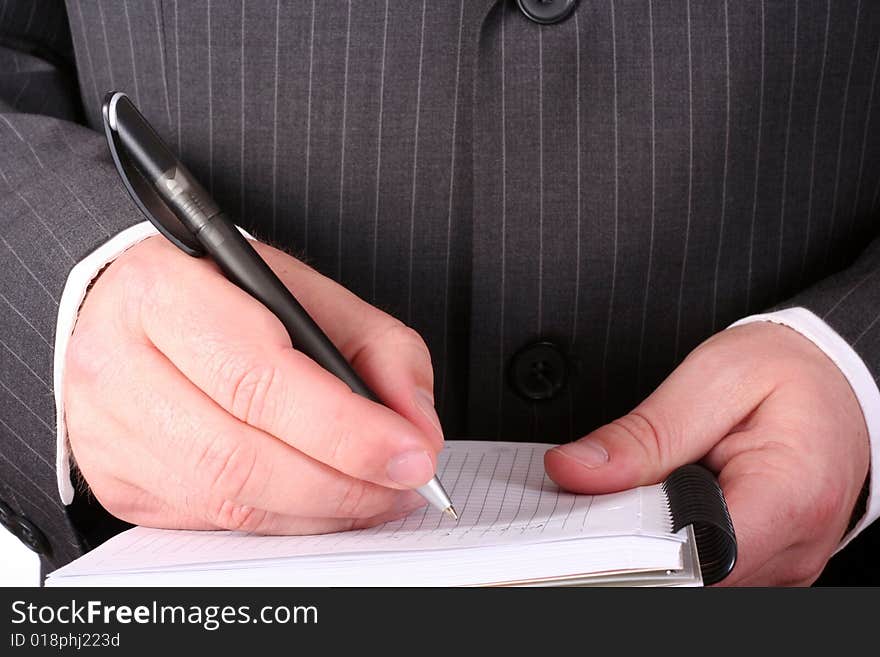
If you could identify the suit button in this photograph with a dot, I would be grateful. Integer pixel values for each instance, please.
(537, 371)
(28, 533)
(547, 11)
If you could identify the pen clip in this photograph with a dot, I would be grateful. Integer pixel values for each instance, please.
(139, 188)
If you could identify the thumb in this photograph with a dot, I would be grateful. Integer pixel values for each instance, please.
(713, 391)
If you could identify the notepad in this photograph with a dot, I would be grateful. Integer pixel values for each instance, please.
(516, 527)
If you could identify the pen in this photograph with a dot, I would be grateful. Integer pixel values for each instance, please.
(180, 208)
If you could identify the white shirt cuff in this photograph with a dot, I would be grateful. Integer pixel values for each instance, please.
(860, 380)
(78, 281)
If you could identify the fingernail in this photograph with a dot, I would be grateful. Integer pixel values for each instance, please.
(426, 404)
(408, 501)
(587, 452)
(411, 468)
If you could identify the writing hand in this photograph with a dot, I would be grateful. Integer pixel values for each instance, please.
(187, 407)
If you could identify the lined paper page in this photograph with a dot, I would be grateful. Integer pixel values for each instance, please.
(499, 489)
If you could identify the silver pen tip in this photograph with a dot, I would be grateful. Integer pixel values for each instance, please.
(450, 511)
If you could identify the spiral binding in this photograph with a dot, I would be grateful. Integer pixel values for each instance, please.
(695, 498)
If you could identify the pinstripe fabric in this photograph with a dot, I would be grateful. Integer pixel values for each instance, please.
(40, 234)
(624, 183)
(37, 26)
(36, 73)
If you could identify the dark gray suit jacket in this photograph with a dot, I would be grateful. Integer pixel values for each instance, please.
(621, 184)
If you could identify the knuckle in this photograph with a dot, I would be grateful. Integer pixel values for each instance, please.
(85, 359)
(229, 515)
(228, 468)
(399, 338)
(134, 280)
(245, 387)
(405, 337)
(353, 501)
(94, 361)
(147, 278)
(402, 335)
(394, 335)
(134, 267)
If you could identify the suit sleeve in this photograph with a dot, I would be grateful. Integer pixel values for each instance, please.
(60, 198)
(849, 302)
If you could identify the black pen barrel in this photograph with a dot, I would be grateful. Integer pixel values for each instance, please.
(244, 267)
